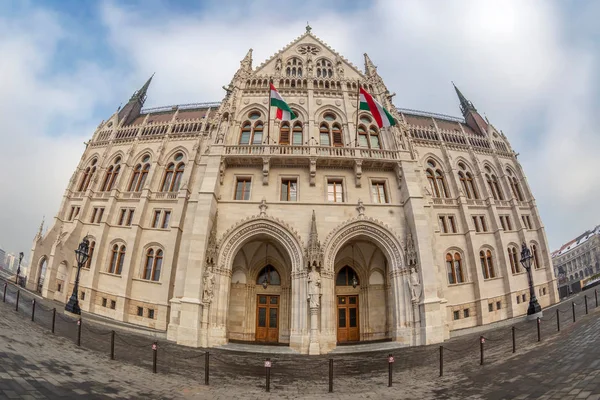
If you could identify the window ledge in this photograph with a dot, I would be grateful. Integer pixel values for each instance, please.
(519, 273)
(459, 284)
(110, 274)
(450, 233)
(146, 281)
(492, 279)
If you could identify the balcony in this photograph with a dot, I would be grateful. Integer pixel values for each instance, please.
(301, 155)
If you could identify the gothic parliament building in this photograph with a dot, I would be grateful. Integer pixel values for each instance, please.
(212, 222)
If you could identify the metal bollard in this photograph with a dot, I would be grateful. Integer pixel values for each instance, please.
(441, 360)
(596, 296)
(79, 332)
(390, 362)
(206, 366)
(557, 320)
(53, 319)
(33, 310)
(4, 296)
(331, 375)
(481, 342)
(514, 340)
(17, 306)
(268, 374)
(538, 329)
(586, 306)
(573, 304)
(154, 356)
(112, 345)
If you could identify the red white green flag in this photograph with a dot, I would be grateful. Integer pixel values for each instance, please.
(381, 115)
(284, 112)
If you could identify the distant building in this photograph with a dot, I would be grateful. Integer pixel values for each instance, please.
(577, 260)
(2, 259)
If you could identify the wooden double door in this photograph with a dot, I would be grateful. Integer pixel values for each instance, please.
(347, 319)
(267, 318)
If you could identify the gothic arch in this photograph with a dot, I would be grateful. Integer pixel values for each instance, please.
(240, 233)
(242, 115)
(169, 156)
(377, 232)
(140, 155)
(318, 114)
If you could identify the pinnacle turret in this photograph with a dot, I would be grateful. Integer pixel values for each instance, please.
(465, 105)
(370, 68)
(469, 112)
(132, 109)
(314, 253)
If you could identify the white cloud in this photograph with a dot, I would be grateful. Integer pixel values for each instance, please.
(513, 59)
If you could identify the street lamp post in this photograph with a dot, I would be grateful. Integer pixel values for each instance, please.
(19, 267)
(534, 307)
(82, 256)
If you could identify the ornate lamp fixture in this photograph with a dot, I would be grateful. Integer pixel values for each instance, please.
(526, 258)
(354, 281)
(265, 282)
(81, 255)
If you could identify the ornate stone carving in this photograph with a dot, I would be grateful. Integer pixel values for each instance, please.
(278, 66)
(208, 283)
(411, 251)
(415, 284)
(399, 175)
(314, 288)
(263, 207)
(370, 227)
(357, 172)
(60, 236)
(38, 235)
(308, 49)
(339, 67)
(222, 167)
(313, 171)
(256, 225)
(265, 170)
(361, 209)
(314, 252)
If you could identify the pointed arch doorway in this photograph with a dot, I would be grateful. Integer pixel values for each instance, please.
(267, 306)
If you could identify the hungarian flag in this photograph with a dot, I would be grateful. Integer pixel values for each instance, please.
(284, 112)
(381, 115)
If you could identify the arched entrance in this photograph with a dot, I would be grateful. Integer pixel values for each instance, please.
(361, 293)
(384, 307)
(41, 274)
(245, 250)
(259, 302)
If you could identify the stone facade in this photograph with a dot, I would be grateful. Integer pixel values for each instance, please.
(232, 225)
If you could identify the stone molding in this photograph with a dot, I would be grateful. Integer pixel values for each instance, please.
(371, 227)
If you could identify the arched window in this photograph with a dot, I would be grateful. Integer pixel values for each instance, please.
(284, 133)
(143, 177)
(135, 178)
(87, 176)
(297, 134)
(324, 68)
(324, 138)
(337, 135)
(113, 259)
(363, 138)
(88, 263)
(257, 133)
(436, 180)
(153, 265)
(347, 277)
(111, 175)
(294, 67)
(454, 268)
(515, 267)
(246, 133)
(534, 253)
(374, 135)
(493, 184)
(269, 275)
(467, 182)
(514, 185)
(487, 265)
(173, 174)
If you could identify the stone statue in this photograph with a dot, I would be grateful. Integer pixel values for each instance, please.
(278, 66)
(209, 284)
(415, 284)
(339, 67)
(309, 65)
(314, 284)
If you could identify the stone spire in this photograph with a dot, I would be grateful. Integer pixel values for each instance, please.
(469, 112)
(370, 68)
(133, 107)
(40, 231)
(465, 105)
(314, 253)
(212, 248)
(246, 63)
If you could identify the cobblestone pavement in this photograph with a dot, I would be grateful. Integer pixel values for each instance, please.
(35, 364)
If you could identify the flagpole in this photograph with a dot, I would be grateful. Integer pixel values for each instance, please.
(357, 111)
(269, 114)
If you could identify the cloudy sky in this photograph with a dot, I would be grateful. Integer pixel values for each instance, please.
(532, 68)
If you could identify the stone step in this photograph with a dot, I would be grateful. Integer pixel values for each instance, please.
(257, 348)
